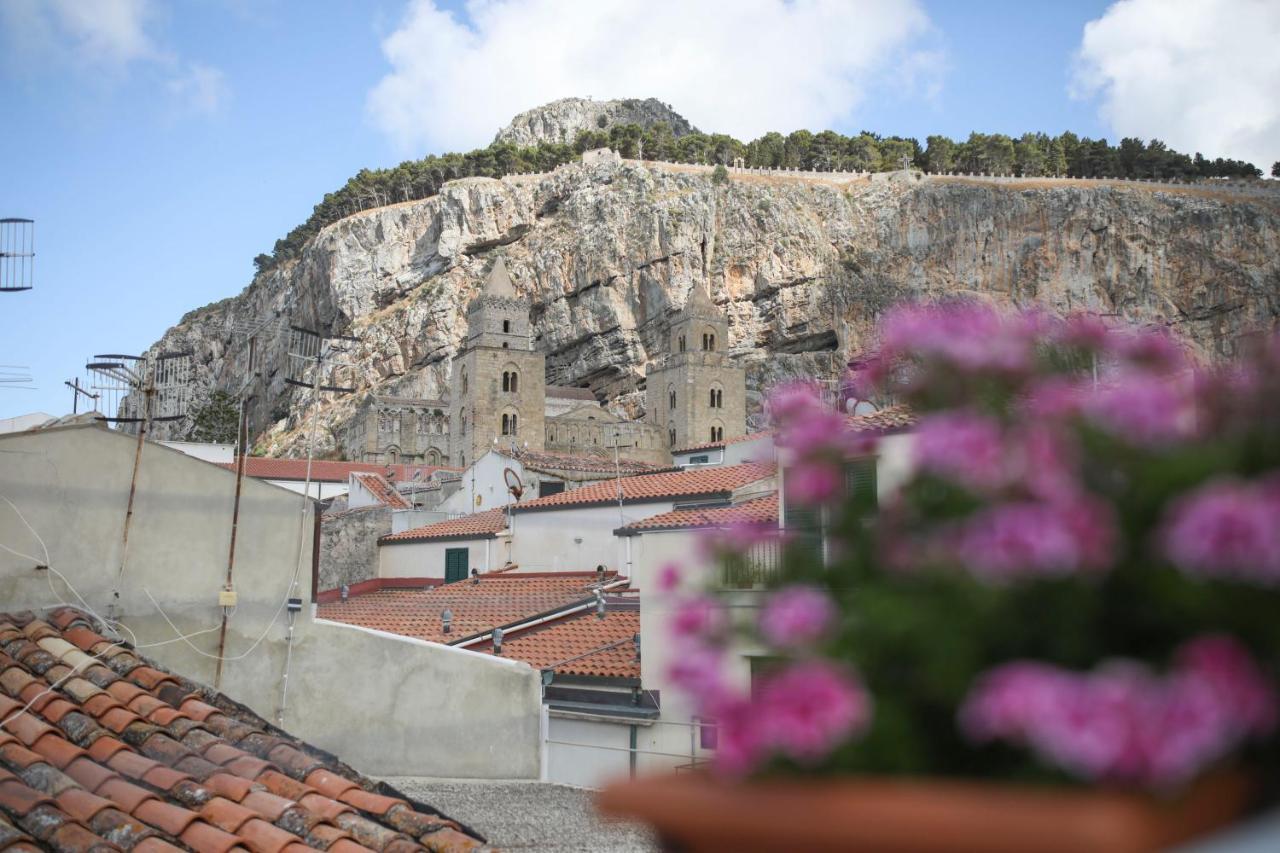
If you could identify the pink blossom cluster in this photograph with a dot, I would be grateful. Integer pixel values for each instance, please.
(964, 446)
(1227, 529)
(796, 616)
(1033, 538)
(1122, 723)
(968, 336)
(818, 436)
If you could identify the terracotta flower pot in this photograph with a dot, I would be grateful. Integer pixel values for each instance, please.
(698, 813)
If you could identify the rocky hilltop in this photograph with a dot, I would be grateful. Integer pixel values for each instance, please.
(561, 121)
(802, 267)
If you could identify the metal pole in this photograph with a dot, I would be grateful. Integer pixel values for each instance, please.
(241, 441)
(148, 391)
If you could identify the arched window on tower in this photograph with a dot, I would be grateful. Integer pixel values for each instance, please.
(514, 431)
(671, 436)
(506, 425)
(515, 382)
(506, 381)
(464, 380)
(711, 346)
(682, 343)
(671, 399)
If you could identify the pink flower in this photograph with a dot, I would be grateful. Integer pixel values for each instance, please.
(1143, 409)
(1120, 722)
(1149, 349)
(1016, 539)
(963, 446)
(808, 709)
(796, 616)
(697, 617)
(1228, 529)
(968, 336)
(699, 670)
(813, 482)
(793, 401)
(668, 577)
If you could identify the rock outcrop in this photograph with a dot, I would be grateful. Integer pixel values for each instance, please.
(801, 266)
(561, 121)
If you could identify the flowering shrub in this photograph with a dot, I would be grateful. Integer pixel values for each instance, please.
(1079, 578)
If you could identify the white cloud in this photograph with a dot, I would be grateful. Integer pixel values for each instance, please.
(202, 88)
(1202, 75)
(102, 40)
(744, 68)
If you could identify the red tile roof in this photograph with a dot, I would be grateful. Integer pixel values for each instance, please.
(710, 445)
(579, 644)
(700, 482)
(479, 525)
(327, 470)
(763, 510)
(889, 419)
(494, 602)
(380, 487)
(102, 750)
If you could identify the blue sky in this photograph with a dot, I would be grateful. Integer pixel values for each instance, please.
(159, 147)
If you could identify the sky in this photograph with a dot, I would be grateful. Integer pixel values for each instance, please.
(160, 145)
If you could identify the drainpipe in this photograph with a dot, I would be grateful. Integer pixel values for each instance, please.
(628, 574)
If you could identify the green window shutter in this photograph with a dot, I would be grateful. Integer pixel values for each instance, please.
(803, 524)
(860, 485)
(455, 564)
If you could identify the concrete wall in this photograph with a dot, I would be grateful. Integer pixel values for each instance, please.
(426, 559)
(203, 450)
(543, 541)
(760, 449)
(317, 490)
(483, 486)
(386, 704)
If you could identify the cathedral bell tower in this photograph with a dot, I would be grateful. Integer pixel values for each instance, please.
(497, 387)
(695, 391)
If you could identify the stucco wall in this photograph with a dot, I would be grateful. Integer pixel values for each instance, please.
(543, 541)
(385, 704)
(426, 559)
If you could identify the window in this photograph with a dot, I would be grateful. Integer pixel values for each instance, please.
(717, 398)
(700, 459)
(671, 399)
(682, 343)
(717, 433)
(712, 346)
(515, 382)
(671, 436)
(506, 381)
(506, 326)
(462, 422)
(506, 425)
(549, 487)
(464, 380)
(704, 341)
(455, 564)
(504, 345)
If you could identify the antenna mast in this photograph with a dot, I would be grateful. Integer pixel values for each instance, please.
(17, 254)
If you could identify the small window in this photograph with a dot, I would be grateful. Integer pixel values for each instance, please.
(704, 341)
(671, 400)
(671, 436)
(700, 459)
(515, 382)
(506, 425)
(464, 380)
(504, 345)
(513, 424)
(682, 343)
(506, 326)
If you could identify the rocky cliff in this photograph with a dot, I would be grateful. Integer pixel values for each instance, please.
(561, 121)
(801, 266)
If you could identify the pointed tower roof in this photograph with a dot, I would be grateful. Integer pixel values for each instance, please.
(498, 284)
(699, 303)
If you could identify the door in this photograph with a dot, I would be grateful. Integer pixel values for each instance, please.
(455, 564)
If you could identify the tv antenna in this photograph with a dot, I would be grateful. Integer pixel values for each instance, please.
(148, 388)
(16, 377)
(17, 254)
(78, 390)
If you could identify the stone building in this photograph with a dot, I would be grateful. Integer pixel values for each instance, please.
(497, 387)
(396, 430)
(695, 391)
(498, 397)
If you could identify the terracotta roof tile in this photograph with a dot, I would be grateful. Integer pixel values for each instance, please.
(328, 471)
(580, 644)
(480, 525)
(888, 419)
(495, 601)
(763, 510)
(584, 462)
(737, 439)
(380, 487)
(699, 482)
(104, 776)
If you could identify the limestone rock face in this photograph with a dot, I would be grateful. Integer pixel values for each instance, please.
(801, 266)
(561, 121)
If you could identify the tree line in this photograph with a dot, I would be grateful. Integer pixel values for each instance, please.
(1030, 155)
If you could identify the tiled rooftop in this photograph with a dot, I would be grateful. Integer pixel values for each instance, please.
(763, 510)
(478, 525)
(888, 419)
(494, 601)
(699, 482)
(101, 750)
(586, 461)
(711, 445)
(380, 487)
(580, 644)
(326, 470)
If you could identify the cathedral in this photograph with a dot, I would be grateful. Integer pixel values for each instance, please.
(498, 396)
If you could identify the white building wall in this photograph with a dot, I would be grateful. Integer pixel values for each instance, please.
(387, 705)
(483, 485)
(426, 559)
(318, 490)
(202, 450)
(546, 540)
(761, 449)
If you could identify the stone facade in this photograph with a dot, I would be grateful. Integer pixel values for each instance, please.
(399, 430)
(349, 545)
(695, 391)
(591, 429)
(498, 382)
